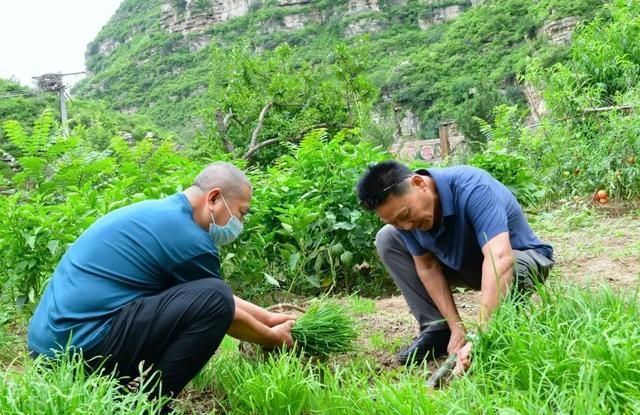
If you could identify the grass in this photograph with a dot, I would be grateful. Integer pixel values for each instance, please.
(360, 306)
(65, 388)
(574, 352)
(571, 351)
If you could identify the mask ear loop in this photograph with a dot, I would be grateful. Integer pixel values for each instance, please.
(231, 215)
(225, 204)
(211, 213)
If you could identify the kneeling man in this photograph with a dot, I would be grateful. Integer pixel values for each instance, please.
(450, 226)
(142, 286)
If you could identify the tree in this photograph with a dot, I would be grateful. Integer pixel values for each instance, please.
(261, 100)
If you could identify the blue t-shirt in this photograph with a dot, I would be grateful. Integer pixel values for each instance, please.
(136, 251)
(475, 208)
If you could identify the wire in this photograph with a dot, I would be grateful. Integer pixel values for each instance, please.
(11, 95)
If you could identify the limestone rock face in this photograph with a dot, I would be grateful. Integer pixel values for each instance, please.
(362, 6)
(408, 124)
(440, 15)
(107, 46)
(536, 104)
(286, 3)
(292, 22)
(360, 27)
(196, 17)
(560, 31)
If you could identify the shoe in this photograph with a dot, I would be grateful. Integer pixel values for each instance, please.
(431, 344)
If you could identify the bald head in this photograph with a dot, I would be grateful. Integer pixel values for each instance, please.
(225, 176)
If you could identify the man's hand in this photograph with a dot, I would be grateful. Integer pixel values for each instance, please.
(279, 318)
(282, 333)
(463, 359)
(457, 340)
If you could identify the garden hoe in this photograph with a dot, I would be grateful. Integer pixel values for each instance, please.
(437, 378)
(443, 371)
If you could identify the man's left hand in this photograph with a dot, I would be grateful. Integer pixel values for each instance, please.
(279, 318)
(463, 359)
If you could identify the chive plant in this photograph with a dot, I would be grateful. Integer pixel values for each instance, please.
(324, 329)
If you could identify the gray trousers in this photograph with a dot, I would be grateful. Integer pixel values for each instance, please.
(529, 267)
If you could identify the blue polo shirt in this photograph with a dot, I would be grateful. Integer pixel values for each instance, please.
(136, 251)
(475, 208)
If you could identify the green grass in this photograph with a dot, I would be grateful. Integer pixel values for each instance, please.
(65, 388)
(571, 351)
(361, 306)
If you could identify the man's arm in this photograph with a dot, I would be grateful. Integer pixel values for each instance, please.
(497, 274)
(430, 273)
(497, 277)
(245, 327)
(263, 316)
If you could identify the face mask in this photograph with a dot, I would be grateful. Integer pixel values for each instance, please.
(222, 235)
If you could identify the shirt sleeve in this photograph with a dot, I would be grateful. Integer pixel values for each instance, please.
(205, 265)
(412, 244)
(486, 214)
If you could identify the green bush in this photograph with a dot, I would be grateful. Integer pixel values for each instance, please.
(574, 151)
(306, 230)
(65, 185)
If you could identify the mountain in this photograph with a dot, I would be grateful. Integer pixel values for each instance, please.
(432, 60)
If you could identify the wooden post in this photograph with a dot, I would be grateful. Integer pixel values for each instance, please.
(443, 133)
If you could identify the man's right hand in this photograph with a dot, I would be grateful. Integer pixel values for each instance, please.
(282, 333)
(457, 340)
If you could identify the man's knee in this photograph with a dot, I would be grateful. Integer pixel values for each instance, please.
(388, 238)
(216, 296)
(222, 289)
(529, 269)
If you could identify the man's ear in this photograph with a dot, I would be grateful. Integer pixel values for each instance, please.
(213, 194)
(418, 181)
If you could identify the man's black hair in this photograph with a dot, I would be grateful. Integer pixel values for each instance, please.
(381, 180)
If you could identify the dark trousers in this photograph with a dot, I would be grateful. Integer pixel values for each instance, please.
(529, 268)
(175, 332)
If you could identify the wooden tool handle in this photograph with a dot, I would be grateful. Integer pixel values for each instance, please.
(442, 371)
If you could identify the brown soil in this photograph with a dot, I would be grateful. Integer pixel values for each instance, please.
(608, 253)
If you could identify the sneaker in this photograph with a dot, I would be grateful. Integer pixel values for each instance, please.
(431, 344)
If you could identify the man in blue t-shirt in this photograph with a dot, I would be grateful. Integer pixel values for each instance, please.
(142, 286)
(450, 226)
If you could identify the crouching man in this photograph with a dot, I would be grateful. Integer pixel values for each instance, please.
(143, 284)
(450, 226)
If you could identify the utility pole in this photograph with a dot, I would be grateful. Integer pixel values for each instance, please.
(53, 82)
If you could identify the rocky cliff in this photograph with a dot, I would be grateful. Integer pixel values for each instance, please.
(429, 56)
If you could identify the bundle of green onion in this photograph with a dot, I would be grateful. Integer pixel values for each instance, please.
(325, 328)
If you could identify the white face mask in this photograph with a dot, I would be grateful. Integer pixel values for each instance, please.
(222, 235)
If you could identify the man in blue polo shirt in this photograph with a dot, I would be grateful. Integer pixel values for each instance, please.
(450, 226)
(143, 286)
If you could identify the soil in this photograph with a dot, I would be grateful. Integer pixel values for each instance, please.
(608, 253)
